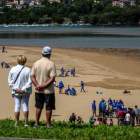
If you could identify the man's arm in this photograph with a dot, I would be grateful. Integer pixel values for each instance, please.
(52, 79)
(34, 80)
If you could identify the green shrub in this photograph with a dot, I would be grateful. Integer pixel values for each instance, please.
(68, 131)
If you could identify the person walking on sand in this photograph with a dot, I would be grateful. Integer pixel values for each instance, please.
(82, 86)
(21, 85)
(43, 75)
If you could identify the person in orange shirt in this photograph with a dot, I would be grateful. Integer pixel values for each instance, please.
(120, 116)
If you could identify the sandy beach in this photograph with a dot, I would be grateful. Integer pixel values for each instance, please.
(106, 70)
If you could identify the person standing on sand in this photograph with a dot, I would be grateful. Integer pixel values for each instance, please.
(109, 102)
(94, 108)
(82, 86)
(74, 72)
(21, 85)
(120, 116)
(2, 63)
(71, 72)
(100, 108)
(43, 75)
(137, 111)
(61, 85)
(62, 70)
(3, 49)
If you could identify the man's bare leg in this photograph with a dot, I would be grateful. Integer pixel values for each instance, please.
(48, 117)
(38, 114)
(17, 116)
(26, 113)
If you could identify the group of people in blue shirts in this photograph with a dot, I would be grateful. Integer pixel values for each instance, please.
(66, 72)
(68, 91)
(113, 107)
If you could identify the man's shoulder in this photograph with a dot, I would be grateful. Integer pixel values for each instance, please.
(38, 61)
(44, 61)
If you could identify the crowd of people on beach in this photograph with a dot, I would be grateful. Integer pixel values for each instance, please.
(116, 109)
(65, 73)
(42, 76)
(111, 109)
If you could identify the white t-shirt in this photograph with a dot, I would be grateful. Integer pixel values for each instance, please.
(127, 117)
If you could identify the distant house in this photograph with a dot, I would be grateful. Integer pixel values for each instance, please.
(122, 3)
(38, 2)
(34, 2)
(11, 4)
(19, 6)
(21, 1)
(24, 1)
(80, 22)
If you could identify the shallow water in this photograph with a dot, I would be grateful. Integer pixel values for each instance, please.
(86, 36)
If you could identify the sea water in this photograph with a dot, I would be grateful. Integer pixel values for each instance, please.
(82, 36)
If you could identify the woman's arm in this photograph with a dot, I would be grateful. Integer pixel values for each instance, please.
(11, 80)
(28, 83)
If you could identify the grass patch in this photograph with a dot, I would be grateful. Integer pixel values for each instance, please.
(68, 131)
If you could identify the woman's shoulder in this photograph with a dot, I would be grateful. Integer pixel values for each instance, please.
(13, 68)
(27, 68)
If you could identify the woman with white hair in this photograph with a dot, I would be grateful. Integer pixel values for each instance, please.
(21, 85)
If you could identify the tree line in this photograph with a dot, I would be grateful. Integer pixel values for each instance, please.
(80, 10)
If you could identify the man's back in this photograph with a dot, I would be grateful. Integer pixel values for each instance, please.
(43, 69)
(72, 118)
(120, 114)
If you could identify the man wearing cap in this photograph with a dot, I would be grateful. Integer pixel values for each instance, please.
(43, 75)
